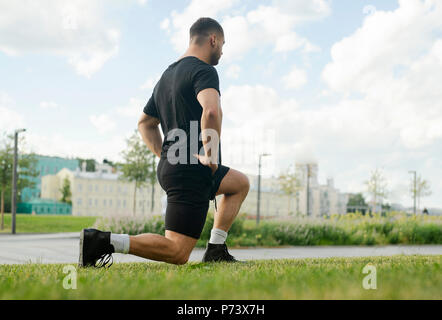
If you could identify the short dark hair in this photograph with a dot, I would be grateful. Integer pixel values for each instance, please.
(203, 27)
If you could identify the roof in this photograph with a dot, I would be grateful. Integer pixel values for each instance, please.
(96, 175)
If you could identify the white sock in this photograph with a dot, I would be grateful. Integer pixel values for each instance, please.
(217, 236)
(120, 242)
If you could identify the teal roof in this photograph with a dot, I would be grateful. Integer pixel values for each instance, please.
(43, 201)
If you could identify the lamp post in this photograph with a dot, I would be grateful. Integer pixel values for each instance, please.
(259, 185)
(414, 191)
(14, 180)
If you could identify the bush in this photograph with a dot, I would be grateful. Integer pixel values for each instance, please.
(351, 229)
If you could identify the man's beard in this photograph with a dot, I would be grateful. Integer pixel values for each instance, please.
(214, 59)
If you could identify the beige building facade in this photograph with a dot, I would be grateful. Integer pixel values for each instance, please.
(101, 194)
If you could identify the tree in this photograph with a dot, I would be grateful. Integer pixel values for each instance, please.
(26, 169)
(139, 165)
(356, 201)
(290, 184)
(377, 187)
(66, 194)
(422, 189)
(90, 164)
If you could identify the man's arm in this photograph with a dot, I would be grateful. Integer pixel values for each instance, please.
(210, 119)
(150, 132)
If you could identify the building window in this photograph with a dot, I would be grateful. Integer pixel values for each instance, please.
(90, 202)
(80, 187)
(110, 189)
(90, 188)
(118, 203)
(79, 201)
(124, 203)
(96, 188)
(96, 202)
(104, 202)
(110, 202)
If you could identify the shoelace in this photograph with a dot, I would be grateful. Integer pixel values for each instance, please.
(104, 260)
(229, 256)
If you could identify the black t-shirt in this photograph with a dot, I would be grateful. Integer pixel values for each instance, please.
(174, 101)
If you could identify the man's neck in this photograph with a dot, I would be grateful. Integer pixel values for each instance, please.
(196, 53)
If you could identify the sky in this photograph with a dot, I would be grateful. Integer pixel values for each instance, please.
(352, 85)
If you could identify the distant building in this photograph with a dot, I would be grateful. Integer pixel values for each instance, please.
(46, 165)
(101, 193)
(44, 206)
(324, 200)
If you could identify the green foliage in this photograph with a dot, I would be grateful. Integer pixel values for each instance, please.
(356, 200)
(90, 164)
(26, 170)
(66, 195)
(139, 165)
(131, 225)
(350, 229)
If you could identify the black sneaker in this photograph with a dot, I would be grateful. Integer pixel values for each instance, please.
(218, 253)
(95, 249)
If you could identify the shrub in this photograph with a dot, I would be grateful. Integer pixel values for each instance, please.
(351, 229)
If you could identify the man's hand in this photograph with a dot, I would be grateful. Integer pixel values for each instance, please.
(206, 161)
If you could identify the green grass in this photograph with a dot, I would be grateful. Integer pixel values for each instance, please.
(398, 277)
(26, 223)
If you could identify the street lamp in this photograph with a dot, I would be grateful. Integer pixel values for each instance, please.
(259, 185)
(14, 179)
(414, 191)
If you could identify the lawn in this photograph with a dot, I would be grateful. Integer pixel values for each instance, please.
(26, 223)
(398, 277)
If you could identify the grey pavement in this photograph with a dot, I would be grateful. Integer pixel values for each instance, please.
(63, 248)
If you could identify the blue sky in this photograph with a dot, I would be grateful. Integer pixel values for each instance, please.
(349, 84)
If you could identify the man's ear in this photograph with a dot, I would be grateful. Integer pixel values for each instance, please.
(213, 40)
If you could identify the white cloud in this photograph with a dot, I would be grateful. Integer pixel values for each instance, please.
(233, 71)
(180, 23)
(72, 29)
(10, 120)
(103, 123)
(133, 109)
(57, 144)
(394, 62)
(253, 29)
(295, 79)
(150, 83)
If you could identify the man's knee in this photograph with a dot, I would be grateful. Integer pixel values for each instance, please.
(244, 184)
(180, 256)
(180, 259)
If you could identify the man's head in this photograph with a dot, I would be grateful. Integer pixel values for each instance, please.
(208, 34)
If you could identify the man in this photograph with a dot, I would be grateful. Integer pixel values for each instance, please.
(186, 98)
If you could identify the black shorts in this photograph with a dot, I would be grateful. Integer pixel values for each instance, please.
(189, 189)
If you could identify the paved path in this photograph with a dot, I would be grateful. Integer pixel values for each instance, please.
(63, 248)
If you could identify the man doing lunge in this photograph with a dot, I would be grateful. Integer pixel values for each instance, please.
(186, 103)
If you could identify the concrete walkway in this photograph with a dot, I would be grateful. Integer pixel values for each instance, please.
(63, 248)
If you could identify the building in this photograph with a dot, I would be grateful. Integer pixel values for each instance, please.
(44, 206)
(318, 200)
(101, 193)
(323, 200)
(46, 165)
